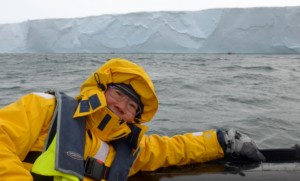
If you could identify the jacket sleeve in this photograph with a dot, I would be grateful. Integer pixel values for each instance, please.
(156, 152)
(21, 124)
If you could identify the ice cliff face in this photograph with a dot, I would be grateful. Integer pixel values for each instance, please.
(250, 30)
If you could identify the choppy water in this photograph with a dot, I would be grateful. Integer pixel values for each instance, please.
(257, 94)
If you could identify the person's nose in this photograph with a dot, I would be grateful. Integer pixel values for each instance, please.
(121, 106)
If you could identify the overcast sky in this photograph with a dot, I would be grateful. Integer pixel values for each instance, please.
(12, 11)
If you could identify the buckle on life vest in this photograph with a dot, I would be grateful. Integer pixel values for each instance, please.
(95, 169)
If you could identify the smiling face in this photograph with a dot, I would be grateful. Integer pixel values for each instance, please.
(121, 104)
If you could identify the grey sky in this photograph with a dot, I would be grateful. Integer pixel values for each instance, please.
(22, 10)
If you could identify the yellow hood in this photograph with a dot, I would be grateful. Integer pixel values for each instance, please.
(119, 70)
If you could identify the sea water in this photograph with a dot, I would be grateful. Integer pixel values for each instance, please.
(256, 94)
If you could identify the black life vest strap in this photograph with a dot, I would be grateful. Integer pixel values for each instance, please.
(32, 156)
(96, 169)
(37, 177)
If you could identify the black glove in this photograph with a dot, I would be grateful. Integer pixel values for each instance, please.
(234, 142)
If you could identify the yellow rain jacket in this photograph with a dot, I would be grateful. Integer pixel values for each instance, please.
(24, 127)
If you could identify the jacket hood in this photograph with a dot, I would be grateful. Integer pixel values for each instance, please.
(118, 70)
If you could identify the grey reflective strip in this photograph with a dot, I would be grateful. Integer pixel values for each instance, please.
(84, 106)
(104, 122)
(94, 101)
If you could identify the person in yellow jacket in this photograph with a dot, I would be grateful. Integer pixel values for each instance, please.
(100, 135)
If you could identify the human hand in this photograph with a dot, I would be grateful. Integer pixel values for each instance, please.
(240, 144)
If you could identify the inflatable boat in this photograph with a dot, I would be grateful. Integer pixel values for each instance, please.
(280, 164)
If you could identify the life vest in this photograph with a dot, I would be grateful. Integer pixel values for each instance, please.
(64, 155)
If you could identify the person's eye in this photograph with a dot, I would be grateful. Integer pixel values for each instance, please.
(133, 106)
(119, 93)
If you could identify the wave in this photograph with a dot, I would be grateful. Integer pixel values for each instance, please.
(254, 68)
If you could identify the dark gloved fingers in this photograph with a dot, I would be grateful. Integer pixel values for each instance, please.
(250, 150)
(241, 144)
